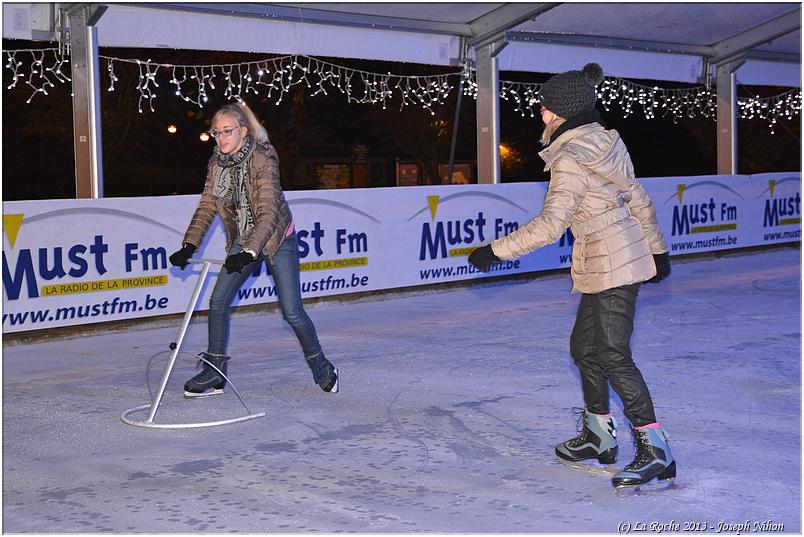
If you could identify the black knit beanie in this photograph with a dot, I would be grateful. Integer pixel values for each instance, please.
(572, 92)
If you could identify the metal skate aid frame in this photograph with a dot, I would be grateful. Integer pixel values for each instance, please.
(176, 347)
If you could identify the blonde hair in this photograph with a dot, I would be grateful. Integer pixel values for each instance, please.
(551, 128)
(245, 118)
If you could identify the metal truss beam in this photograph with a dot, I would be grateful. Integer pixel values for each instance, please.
(608, 42)
(732, 47)
(315, 16)
(494, 25)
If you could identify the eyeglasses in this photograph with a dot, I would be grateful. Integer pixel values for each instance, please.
(223, 132)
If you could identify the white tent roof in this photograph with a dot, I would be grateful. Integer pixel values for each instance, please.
(663, 41)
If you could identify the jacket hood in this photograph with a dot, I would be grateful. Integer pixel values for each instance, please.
(601, 151)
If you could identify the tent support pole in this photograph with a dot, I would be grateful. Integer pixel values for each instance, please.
(725, 82)
(488, 112)
(457, 120)
(85, 65)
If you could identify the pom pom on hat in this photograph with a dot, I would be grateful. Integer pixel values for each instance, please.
(573, 92)
(593, 73)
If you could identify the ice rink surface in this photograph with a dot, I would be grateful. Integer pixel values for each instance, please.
(450, 406)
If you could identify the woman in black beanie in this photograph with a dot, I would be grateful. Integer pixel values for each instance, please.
(618, 245)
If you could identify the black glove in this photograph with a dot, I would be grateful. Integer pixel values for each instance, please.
(236, 262)
(179, 258)
(483, 258)
(662, 262)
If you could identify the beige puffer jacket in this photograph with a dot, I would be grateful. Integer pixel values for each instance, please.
(593, 191)
(271, 210)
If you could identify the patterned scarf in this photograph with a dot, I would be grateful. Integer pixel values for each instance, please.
(232, 185)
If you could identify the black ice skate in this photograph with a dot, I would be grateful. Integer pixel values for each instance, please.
(598, 440)
(211, 379)
(652, 460)
(324, 373)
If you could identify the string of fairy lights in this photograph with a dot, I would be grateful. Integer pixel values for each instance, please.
(770, 109)
(42, 69)
(277, 76)
(43, 72)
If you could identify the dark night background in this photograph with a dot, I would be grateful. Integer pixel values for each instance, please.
(140, 158)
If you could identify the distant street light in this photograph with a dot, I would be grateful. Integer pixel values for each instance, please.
(510, 158)
(172, 129)
(204, 137)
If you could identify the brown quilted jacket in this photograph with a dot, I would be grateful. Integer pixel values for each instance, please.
(271, 210)
(593, 191)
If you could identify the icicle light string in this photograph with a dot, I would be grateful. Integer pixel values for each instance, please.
(44, 64)
(524, 95)
(630, 96)
(787, 105)
(281, 74)
(277, 76)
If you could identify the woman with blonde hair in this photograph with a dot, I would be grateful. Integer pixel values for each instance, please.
(242, 187)
(618, 245)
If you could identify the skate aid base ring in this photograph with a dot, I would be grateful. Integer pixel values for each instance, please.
(175, 347)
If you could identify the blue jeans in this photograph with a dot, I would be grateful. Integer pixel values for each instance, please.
(284, 267)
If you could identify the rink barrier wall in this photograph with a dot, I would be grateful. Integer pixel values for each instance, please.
(80, 262)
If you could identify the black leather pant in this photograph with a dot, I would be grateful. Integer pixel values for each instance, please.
(601, 347)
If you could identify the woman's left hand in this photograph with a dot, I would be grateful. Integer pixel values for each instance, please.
(662, 262)
(236, 262)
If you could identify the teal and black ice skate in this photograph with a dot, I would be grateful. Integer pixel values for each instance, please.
(598, 440)
(652, 460)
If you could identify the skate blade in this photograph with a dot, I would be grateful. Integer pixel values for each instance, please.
(214, 391)
(651, 487)
(337, 385)
(591, 467)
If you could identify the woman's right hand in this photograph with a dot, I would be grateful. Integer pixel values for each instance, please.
(180, 257)
(483, 258)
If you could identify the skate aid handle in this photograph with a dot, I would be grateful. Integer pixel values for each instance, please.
(210, 261)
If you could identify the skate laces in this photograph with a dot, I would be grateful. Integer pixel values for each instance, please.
(320, 367)
(580, 427)
(200, 363)
(207, 372)
(642, 454)
(580, 418)
(205, 375)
